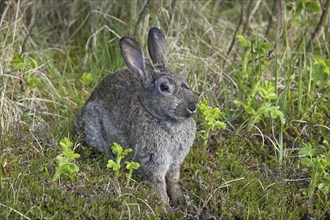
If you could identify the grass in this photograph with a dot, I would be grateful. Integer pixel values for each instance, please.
(53, 53)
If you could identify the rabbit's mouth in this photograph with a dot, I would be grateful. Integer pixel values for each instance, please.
(186, 111)
(192, 108)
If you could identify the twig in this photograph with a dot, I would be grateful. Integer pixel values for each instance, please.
(281, 29)
(236, 30)
(2, 6)
(248, 11)
(141, 16)
(301, 39)
(173, 3)
(317, 29)
(28, 34)
(282, 15)
(240, 22)
(320, 24)
(270, 21)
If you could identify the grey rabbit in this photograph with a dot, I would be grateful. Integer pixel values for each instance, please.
(147, 108)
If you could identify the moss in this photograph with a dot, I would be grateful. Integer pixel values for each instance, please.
(234, 182)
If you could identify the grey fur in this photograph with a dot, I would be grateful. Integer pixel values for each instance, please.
(147, 108)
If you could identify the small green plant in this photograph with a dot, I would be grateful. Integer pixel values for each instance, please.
(26, 64)
(259, 105)
(130, 166)
(266, 93)
(66, 161)
(303, 5)
(255, 52)
(260, 92)
(318, 163)
(120, 153)
(117, 149)
(324, 62)
(86, 79)
(211, 117)
(322, 77)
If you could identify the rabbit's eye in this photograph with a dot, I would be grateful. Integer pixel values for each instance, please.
(164, 88)
(185, 86)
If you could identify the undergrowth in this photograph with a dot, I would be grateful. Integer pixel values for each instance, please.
(261, 70)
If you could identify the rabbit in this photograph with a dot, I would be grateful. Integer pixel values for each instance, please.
(145, 107)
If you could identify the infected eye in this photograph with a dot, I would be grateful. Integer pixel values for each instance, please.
(164, 88)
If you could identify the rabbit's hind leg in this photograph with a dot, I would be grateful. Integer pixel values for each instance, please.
(97, 124)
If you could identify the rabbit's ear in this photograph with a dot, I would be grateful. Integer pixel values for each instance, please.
(157, 47)
(133, 56)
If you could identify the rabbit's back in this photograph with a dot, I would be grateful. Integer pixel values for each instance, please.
(116, 89)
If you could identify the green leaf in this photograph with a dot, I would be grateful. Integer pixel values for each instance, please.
(18, 62)
(203, 106)
(57, 174)
(281, 116)
(217, 125)
(304, 191)
(127, 151)
(325, 63)
(312, 5)
(237, 102)
(245, 63)
(65, 169)
(267, 91)
(117, 149)
(61, 160)
(324, 186)
(66, 144)
(72, 168)
(263, 109)
(308, 151)
(307, 162)
(275, 113)
(113, 165)
(327, 157)
(74, 156)
(246, 107)
(271, 96)
(86, 78)
(245, 43)
(132, 165)
(260, 46)
(32, 80)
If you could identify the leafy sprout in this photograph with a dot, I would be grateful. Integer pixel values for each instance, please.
(121, 153)
(66, 165)
(318, 164)
(212, 119)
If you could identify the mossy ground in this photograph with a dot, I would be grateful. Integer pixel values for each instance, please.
(239, 176)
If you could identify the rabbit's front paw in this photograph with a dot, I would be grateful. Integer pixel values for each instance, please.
(158, 183)
(175, 194)
(173, 186)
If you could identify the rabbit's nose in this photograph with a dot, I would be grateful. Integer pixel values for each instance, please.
(192, 107)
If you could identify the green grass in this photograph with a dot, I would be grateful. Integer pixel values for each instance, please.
(248, 171)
